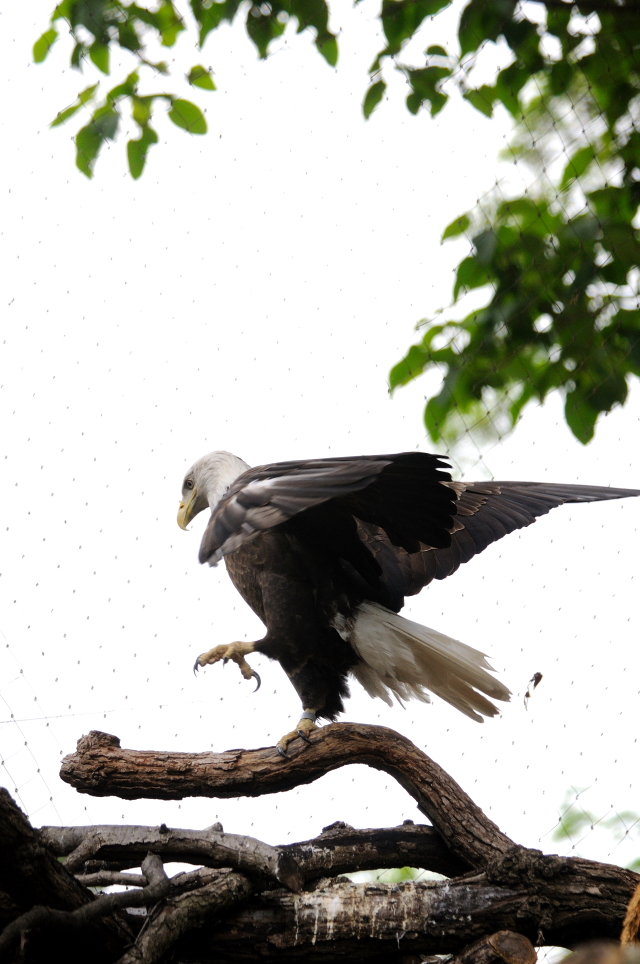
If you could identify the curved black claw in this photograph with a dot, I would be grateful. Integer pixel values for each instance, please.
(259, 681)
(303, 736)
(196, 666)
(283, 753)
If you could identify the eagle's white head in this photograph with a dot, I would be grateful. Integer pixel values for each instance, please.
(206, 482)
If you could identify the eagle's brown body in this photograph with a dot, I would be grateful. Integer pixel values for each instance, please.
(290, 591)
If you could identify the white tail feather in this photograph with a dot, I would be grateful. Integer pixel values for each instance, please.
(403, 658)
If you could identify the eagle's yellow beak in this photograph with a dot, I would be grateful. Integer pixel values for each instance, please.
(185, 512)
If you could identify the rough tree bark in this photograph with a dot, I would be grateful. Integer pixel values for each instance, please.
(101, 768)
(252, 902)
(31, 876)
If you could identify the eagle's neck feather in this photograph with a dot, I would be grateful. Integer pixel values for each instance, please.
(220, 470)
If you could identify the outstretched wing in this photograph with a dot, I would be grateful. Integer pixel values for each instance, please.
(486, 511)
(403, 494)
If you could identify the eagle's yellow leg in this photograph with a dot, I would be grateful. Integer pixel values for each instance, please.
(305, 726)
(230, 651)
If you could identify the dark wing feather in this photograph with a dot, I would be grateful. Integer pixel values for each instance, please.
(401, 493)
(486, 511)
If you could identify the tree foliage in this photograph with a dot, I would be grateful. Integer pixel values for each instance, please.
(556, 265)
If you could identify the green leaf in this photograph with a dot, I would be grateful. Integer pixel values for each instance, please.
(170, 23)
(141, 110)
(581, 417)
(62, 10)
(482, 20)
(411, 366)
(373, 97)
(102, 126)
(210, 15)
(485, 244)
(99, 54)
(401, 18)
(42, 46)
(578, 164)
(186, 115)
(328, 47)
(457, 227)
(263, 28)
(77, 56)
(199, 76)
(127, 88)
(88, 144)
(470, 274)
(137, 151)
(424, 84)
(482, 99)
(436, 412)
(83, 98)
(436, 51)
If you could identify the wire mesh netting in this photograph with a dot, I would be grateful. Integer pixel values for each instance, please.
(251, 292)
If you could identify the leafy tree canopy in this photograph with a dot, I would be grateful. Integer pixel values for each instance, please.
(554, 269)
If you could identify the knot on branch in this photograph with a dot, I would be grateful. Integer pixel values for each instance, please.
(335, 827)
(520, 864)
(97, 739)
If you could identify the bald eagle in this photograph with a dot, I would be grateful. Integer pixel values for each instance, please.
(325, 551)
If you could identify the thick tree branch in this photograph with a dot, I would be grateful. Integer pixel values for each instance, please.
(100, 767)
(30, 874)
(187, 912)
(111, 878)
(128, 845)
(338, 850)
(386, 922)
(545, 899)
(50, 919)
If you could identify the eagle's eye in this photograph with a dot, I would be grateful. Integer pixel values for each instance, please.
(188, 484)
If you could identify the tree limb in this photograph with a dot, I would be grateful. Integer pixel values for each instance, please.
(376, 922)
(187, 912)
(100, 767)
(30, 874)
(338, 850)
(128, 845)
(46, 917)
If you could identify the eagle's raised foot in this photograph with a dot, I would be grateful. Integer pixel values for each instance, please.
(230, 651)
(305, 726)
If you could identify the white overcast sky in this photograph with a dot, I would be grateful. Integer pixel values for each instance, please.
(251, 292)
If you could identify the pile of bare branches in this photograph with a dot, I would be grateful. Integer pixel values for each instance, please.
(248, 901)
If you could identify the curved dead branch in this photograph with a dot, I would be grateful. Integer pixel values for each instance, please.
(101, 768)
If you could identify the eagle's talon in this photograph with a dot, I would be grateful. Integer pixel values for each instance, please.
(302, 730)
(259, 681)
(231, 651)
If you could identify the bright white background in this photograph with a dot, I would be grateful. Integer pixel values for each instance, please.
(251, 292)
